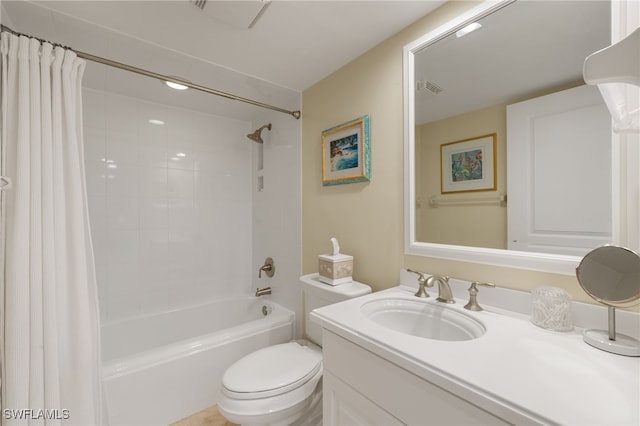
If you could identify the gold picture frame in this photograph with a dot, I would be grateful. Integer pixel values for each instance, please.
(469, 165)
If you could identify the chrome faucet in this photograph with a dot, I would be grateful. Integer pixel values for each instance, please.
(444, 290)
(263, 291)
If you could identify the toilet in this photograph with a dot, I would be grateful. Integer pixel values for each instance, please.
(282, 384)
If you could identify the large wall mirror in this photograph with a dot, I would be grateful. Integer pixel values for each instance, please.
(508, 155)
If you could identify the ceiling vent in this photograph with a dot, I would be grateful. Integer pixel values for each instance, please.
(428, 86)
(199, 3)
(238, 14)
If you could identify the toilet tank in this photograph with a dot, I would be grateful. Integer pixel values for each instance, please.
(316, 294)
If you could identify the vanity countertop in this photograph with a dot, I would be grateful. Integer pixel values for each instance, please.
(516, 370)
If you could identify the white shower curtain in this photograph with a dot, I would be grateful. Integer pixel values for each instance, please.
(50, 348)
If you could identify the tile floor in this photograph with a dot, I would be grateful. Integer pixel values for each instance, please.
(207, 417)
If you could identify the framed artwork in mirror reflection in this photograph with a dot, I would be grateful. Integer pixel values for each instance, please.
(346, 154)
(468, 165)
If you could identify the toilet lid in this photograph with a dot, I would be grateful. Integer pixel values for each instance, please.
(272, 370)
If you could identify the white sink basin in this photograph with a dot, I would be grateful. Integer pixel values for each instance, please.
(421, 319)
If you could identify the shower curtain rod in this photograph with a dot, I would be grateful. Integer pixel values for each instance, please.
(158, 76)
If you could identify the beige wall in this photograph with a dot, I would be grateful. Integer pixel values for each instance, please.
(368, 218)
(470, 225)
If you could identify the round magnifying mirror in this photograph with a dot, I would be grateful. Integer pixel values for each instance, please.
(611, 275)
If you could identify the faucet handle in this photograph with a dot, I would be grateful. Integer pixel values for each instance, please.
(269, 268)
(422, 281)
(421, 276)
(473, 296)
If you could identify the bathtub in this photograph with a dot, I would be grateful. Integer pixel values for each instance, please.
(159, 369)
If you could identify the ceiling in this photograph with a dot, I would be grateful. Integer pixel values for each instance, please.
(293, 44)
(525, 49)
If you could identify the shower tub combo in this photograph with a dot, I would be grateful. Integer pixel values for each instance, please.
(159, 369)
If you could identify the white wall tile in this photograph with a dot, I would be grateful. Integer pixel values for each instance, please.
(97, 212)
(155, 300)
(96, 177)
(154, 275)
(121, 114)
(277, 211)
(94, 144)
(203, 185)
(183, 215)
(154, 245)
(123, 277)
(153, 213)
(122, 246)
(180, 148)
(122, 180)
(100, 249)
(208, 160)
(122, 213)
(169, 233)
(122, 148)
(152, 182)
(152, 154)
(180, 183)
(180, 158)
(93, 109)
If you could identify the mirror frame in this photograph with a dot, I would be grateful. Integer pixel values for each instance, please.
(543, 262)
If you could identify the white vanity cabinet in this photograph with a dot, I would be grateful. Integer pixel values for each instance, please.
(362, 388)
(515, 373)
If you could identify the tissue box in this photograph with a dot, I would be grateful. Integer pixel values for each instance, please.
(335, 269)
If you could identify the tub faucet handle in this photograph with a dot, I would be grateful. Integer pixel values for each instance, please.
(269, 268)
(473, 296)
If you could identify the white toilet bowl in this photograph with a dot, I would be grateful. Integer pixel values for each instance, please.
(276, 385)
(282, 384)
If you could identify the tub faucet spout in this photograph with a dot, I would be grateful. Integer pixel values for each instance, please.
(263, 291)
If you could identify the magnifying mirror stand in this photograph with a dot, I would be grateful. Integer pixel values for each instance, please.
(611, 275)
(608, 341)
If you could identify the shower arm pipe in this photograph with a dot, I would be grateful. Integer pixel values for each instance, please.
(158, 76)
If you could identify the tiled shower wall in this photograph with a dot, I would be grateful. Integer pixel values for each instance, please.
(170, 204)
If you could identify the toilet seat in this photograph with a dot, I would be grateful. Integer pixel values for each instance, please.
(272, 371)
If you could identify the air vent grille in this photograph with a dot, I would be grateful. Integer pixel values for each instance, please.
(199, 3)
(429, 86)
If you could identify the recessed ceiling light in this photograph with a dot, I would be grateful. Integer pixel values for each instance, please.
(156, 122)
(181, 154)
(176, 86)
(468, 29)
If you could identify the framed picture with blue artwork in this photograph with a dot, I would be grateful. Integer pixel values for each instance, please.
(468, 165)
(345, 153)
